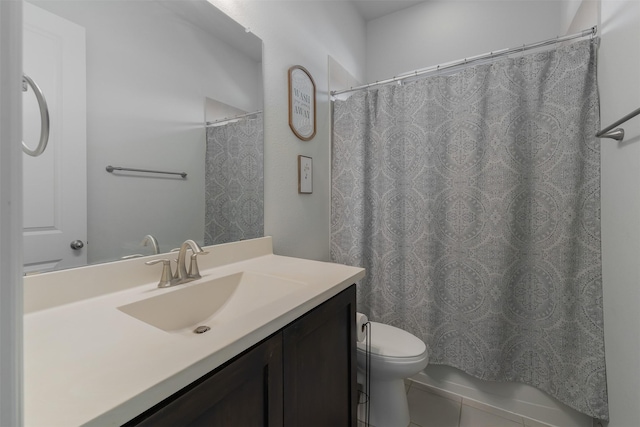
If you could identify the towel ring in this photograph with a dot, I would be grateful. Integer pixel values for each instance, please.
(44, 117)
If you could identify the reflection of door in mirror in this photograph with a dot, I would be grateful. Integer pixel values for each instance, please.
(149, 67)
(54, 193)
(233, 174)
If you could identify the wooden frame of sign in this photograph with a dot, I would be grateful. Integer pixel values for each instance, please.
(302, 103)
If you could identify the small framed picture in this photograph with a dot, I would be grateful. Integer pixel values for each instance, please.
(305, 175)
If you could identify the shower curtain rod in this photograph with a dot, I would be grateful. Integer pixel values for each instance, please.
(228, 119)
(485, 56)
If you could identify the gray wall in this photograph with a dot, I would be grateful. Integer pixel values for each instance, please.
(619, 82)
(437, 32)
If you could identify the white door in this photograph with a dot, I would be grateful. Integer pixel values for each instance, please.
(55, 192)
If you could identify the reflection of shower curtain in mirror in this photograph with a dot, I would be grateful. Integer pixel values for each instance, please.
(473, 201)
(234, 181)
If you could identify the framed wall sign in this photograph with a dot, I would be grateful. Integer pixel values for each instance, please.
(302, 103)
(305, 175)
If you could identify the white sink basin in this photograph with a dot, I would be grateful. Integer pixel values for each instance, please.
(211, 302)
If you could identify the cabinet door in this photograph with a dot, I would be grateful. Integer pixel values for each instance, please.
(319, 356)
(245, 393)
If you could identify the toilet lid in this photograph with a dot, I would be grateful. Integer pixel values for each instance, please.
(387, 340)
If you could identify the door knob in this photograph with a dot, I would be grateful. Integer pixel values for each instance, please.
(76, 245)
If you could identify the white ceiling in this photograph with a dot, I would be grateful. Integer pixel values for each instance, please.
(372, 9)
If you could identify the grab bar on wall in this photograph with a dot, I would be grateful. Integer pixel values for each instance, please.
(116, 168)
(617, 134)
(44, 117)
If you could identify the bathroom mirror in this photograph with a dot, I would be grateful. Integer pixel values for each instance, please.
(147, 71)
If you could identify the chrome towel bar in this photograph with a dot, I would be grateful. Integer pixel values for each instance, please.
(116, 168)
(617, 134)
(44, 117)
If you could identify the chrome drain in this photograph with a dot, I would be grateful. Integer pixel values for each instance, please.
(201, 329)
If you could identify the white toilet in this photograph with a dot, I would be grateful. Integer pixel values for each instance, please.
(395, 355)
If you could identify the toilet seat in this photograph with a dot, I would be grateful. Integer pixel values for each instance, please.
(390, 342)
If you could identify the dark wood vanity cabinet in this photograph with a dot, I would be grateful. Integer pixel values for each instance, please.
(319, 355)
(246, 392)
(302, 376)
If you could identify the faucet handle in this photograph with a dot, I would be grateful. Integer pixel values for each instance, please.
(194, 272)
(167, 278)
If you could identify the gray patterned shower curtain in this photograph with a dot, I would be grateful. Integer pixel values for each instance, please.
(473, 201)
(234, 188)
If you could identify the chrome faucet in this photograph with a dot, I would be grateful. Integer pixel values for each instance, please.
(181, 275)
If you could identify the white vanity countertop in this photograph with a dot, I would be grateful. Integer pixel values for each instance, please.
(88, 363)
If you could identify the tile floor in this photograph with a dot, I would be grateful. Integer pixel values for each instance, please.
(430, 408)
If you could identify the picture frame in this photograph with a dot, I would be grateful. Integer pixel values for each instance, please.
(302, 103)
(305, 175)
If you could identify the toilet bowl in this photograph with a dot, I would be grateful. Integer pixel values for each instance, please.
(395, 355)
